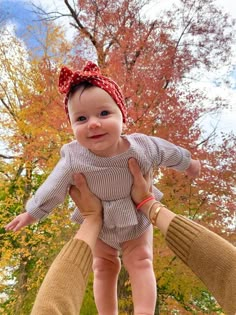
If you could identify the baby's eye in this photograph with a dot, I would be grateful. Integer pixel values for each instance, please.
(81, 118)
(104, 113)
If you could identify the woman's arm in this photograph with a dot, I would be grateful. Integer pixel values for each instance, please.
(91, 209)
(208, 255)
(63, 288)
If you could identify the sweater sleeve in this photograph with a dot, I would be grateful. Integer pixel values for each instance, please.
(53, 191)
(161, 152)
(63, 288)
(209, 256)
(170, 155)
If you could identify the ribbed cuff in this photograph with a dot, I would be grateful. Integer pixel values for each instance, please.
(180, 235)
(32, 208)
(78, 253)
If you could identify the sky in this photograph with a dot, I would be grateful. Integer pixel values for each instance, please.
(19, 13)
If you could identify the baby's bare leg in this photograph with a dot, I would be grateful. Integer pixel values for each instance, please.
(137, 258)
(106, 267)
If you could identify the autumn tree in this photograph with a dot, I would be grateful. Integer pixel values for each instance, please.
(153, 60)
(33, 128)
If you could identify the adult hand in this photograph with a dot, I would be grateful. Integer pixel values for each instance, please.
(142, 184)
(88, 204)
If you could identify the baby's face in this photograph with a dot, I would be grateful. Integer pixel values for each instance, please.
(96, 121)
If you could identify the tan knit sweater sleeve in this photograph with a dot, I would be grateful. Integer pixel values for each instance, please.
(63, 288)
(209, 256)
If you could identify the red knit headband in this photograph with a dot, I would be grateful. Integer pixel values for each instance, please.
(90, 73)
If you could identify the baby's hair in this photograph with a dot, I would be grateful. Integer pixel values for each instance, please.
(84, 85)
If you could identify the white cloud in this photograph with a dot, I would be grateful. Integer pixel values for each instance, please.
(229, 6)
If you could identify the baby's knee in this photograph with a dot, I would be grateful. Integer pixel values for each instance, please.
(139, 257)
(106, 265)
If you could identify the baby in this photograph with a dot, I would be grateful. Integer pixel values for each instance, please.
(96, 109)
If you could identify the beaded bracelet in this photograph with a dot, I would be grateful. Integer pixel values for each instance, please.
(144, 201)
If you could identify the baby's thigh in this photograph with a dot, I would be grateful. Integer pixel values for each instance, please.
(140, 248)
(105, 257)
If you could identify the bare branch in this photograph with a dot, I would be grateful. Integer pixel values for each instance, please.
(10, 111)
(79, 25)
(7, 156)
(210, 136)
(48, 16)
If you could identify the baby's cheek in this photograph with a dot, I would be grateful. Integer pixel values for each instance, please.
(78, 133)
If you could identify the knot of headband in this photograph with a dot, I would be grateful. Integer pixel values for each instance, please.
(92, 74)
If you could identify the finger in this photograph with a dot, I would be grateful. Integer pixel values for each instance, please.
(74, 193)
(148, 175)
(10, 228)
(11, 225)
(81, 183)
(135, 170)
(18, 227)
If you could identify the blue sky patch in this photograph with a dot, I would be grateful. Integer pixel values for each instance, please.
(21, 15)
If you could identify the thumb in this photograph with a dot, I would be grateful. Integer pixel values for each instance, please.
(80, 182)
(135, 170)
(148, 178)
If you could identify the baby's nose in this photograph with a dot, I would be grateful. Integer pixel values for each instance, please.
(94, 123)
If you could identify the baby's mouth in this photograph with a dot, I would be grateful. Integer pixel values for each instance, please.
(97, 136)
